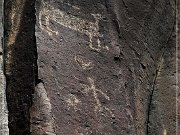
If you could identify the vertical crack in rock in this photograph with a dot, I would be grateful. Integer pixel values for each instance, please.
(152, 93)
(167, 49)
(19, 62)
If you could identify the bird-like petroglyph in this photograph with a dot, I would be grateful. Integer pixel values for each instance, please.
(90, 29)
(83, 62)
(91, 88)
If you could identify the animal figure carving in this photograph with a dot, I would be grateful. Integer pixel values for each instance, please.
(90, 29)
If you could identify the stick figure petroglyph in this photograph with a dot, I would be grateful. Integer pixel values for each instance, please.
(92, 88)
(90, 29)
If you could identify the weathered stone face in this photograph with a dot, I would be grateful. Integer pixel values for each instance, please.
(98, 63)
(79, 73)
(177, 62)
(104, 67)
(3, 105)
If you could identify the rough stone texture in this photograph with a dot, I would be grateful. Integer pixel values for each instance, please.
(42, 111)
(103, 65)
(3, 105)
(178, 64)
(4, 130)
(163, 102)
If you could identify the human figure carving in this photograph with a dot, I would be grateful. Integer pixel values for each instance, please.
(92, 88)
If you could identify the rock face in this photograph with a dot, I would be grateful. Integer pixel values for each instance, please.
(105, 67)
(178, 64)
(163, 101)
(91, 67)
(3, 105)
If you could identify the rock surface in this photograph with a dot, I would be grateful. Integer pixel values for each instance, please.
(103, 65)
(178, 64)
(3, 105)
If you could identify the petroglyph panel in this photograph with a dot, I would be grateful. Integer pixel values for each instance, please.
(90, 29)
(80, 77)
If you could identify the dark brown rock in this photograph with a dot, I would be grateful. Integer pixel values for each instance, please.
(98, 63)
(105, 67)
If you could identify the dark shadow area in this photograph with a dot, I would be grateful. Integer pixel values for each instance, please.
(20, 58)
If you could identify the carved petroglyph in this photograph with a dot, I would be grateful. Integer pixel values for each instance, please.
(90, 29)
(85, 63)
(92, 88)
(75, 7)
(72, 102)
(164, 132)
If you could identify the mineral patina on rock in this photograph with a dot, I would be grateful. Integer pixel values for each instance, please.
(3, 104)
(103, 66)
